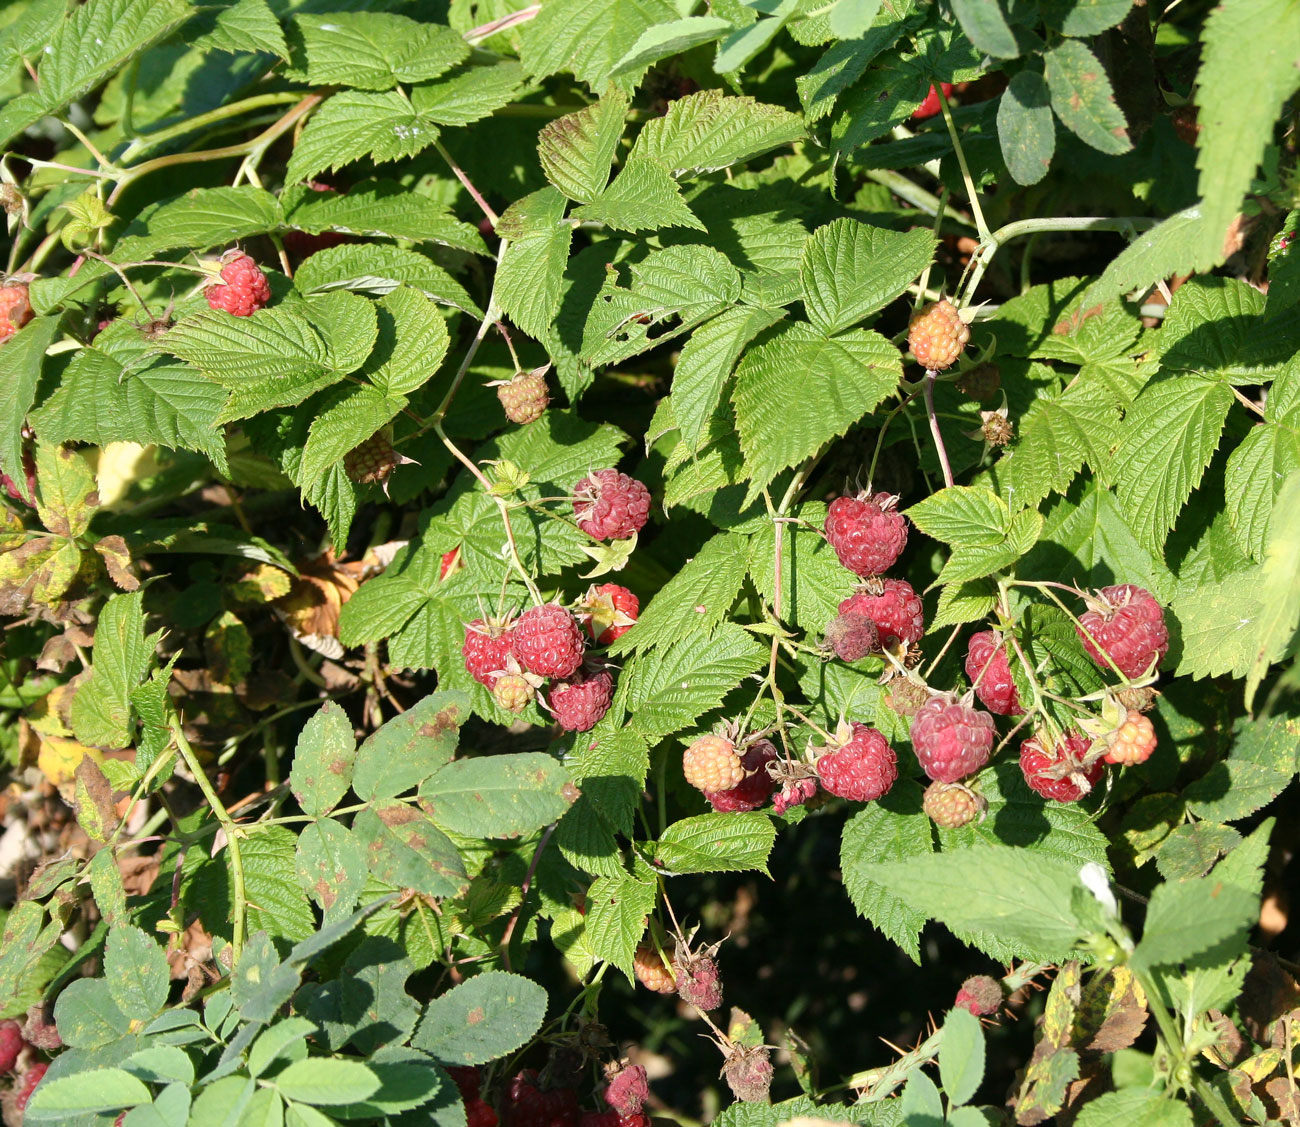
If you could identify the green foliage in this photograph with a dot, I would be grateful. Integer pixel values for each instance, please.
(244, 552)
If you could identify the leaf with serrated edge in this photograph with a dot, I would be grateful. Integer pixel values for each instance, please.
(801, 389)
(717, 843)
(642, 197)
(709, 130)
(577, 150)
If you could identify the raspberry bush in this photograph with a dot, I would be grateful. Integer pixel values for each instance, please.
(594, 562)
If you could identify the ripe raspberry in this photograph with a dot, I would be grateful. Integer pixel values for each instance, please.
(952, 739)
(652, 972)
(523, 397)
(11, 1044)
(548, 642)
(628, 1090)
(579, 703)
(952, 805)
(868, 533)
(1060, 774)
(527, 1106)
(711, 764)
(698, 983)
(487, 646)
(1127, 623)
(754, 789)
(607, 1118)
(1134, 742)
(748, 1073)
(851, 637)
(469, 1081)
(989, 670)
(861, 769)
(609, 611)
(479, 1113)
(609, 505)
(373, 460)
(981, 994)
(896, 611)
(795, 793)
(243, 289)
(451, 563)
(15, 309)
(931, 105)
(512, 692)
(15, 1100)
(937, 336)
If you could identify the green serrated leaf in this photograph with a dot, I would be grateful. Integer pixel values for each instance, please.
(1026, 130)
(577, 150)
(717, 843)
(642, 197)
(498, 795)
(489, 1016)
(709, 130)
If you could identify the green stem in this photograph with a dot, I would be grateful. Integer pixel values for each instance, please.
(128, 104)
(240, 908)
(146, 141)
(917, 196)
(980, 225)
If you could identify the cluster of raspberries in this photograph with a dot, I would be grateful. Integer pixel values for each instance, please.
(529, 1101)
(514, 657)
(868, 534)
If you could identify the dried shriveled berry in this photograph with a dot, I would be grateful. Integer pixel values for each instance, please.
(851, 637)
(893, 606)
(981, 994)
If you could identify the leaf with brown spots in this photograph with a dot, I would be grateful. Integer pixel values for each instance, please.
(487, 1017)
(323, 760)
(404, 849)
(1083, 99)
(331, 867)
(410, 747)
(498, 795)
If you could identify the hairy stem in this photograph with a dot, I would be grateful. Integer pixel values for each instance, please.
(940, 448)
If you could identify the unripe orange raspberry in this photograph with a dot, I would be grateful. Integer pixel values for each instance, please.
(523, 397)
(512, 692)
(711, 764)
(1134, 742)
(937, 336)
(652, 972)
(952, 805)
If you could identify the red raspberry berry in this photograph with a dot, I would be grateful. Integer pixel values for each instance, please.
(16, 1099)
(243, 289)
(980, 994)
(628, 1090)
(754, 789)
(606, 1118)
(609, 611)
(868, 533)
(512, 692)
(1061, 774)
(479, 1113)
(851, 637)
(652, 972)
(698, 983)
(527, 1106)
(469, 1081)
(952, 805)
(951, 739)
(451, 563)
(1126, 623)
(896, 611)
(712, 764)
(937, 336)
(523, 396)
(487, 646)
(580, 702)
(609, 505)
(374, 460)
(794, 793)
(548, 641)
(11, 1044)
(931, 105)
(861, 769)
(1134, 742)
(989, 670)
(15, 309)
